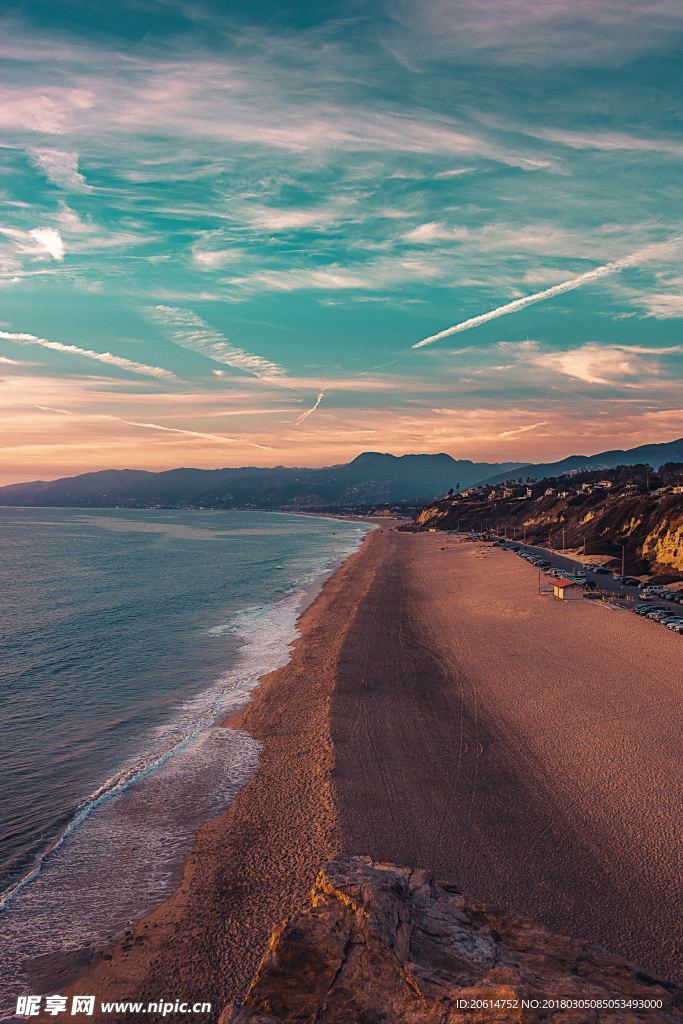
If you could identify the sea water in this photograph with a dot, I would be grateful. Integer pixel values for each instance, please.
(125, 637)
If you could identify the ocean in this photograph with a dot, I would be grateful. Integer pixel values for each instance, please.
(125, 637)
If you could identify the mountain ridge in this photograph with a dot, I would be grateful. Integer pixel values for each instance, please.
(371, 478)
(653, 454)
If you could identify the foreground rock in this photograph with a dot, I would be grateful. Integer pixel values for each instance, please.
(387, 944)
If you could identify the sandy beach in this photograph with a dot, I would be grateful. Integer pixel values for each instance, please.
(438, 712)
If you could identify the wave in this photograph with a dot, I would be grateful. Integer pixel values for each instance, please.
(266, 633)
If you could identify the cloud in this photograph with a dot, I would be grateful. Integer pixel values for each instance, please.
(594, 364)
(59, 167)
(188, 330)
(101, 357)
(294, 93)
(365, 276)
(52, 408)
(38, 243)
(523, 32)
(214, 259)
(268, 218)
(49, 240)
(331, 278)
(309, 412)
(525, 429)
(456, 172)
(49, 110)
(221, 438)
(600, 364)
(641, 256)
(434, 231)
(664, 305)
(608, 141)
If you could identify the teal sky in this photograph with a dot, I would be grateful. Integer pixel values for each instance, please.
(224, 228)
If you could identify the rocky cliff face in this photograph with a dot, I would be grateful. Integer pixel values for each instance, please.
(651, 529)
(387, 944)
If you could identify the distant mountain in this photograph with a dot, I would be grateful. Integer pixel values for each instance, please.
(370, 478)
(654, 455)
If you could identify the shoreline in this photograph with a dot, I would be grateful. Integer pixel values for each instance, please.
(428, 720)
(252, 865)
(46, 968)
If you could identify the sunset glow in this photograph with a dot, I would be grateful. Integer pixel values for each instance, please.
(225, 237)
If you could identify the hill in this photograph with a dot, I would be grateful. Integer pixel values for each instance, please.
(654, 455)
(593, 512)
(371, 478)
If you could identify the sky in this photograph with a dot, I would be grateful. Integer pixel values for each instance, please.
(247, 234)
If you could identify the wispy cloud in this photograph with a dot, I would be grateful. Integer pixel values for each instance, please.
(120, 362)
(38, 243)
(59, 167)
(146, 425)
(188, 330)
(455, 172)
(609, 141)
(309, 412)
(523, 430)
(641, 256)
(220, 438)
(593, 363)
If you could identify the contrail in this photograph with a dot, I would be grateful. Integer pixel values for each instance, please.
(87, 353)
(307, 413)
(222, 438)
(523, 430)
(549, 293)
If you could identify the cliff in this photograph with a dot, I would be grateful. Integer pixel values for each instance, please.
(649, 525)
(387, 944)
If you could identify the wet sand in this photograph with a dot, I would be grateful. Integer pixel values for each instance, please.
(439, 712)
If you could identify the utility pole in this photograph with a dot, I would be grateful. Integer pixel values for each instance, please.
(549, 538)
(584, 545)
(623, 557)
(563, 540)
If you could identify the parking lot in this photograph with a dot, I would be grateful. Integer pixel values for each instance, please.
(658, 603)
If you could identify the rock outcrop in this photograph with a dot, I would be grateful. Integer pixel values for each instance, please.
(387, 944)
(649, 526)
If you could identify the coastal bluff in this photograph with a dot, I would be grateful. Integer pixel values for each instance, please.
(381, 943)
